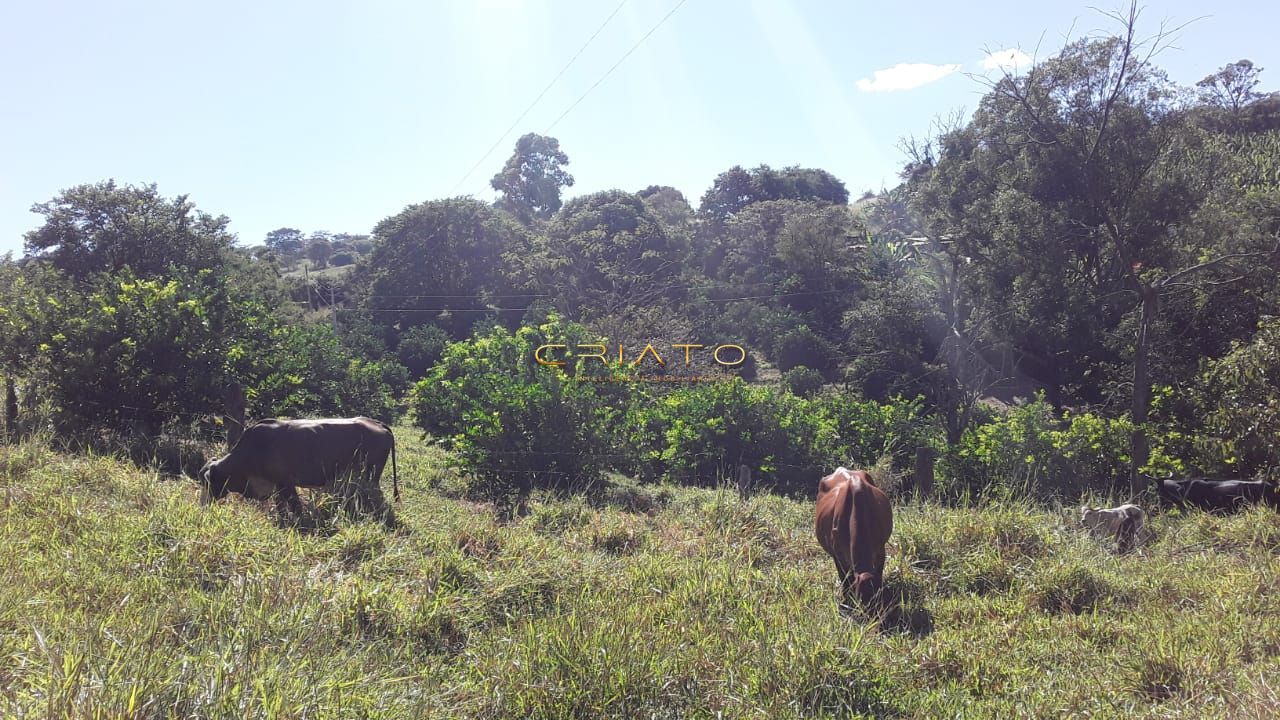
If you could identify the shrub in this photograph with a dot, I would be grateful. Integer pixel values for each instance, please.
(125, 354)
(421, 347)
(802, 346)
(513, 424)
(700, 434)
(866, 431)
(341, 259)
(802, 381)
(1242, 402)
(1029, 451)
(313, 374)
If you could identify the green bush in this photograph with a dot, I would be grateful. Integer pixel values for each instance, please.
(1030, 451)
(802, 346)
(421, 347)
(1242, 400)
(700, 434)
(123, 353)
(513, 424)
(802, 381)
(312, 373)
(866, 431)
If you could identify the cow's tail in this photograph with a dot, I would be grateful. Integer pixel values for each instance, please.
(857, 514)
(395, 472)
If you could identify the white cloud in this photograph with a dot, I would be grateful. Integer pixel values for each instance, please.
(1009, 60)
(905, 76)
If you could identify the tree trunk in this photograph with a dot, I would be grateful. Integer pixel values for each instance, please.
(10, 408)
(1139, 450)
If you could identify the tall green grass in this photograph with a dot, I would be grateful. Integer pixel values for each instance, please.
(121, 597)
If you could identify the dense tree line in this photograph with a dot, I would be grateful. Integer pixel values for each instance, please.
(1095, 236)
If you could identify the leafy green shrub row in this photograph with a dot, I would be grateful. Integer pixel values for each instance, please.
(1031, 451)
(517, 426)
(121, 354)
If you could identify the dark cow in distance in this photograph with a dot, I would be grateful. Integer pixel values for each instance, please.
(1221, 496)
(854, 520)
(275, 457)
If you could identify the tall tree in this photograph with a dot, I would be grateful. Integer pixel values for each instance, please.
(319, 249)
(736, 188)
(533, 178)
(106, 227)
(1079, 185)
(603, 253)
(286, 242)
(1232, 86)
(440, 262)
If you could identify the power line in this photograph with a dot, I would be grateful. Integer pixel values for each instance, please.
(503, 136)
(615, 66)
(497, 309)
(478, 296)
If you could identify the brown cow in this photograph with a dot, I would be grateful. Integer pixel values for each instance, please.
(854, 520)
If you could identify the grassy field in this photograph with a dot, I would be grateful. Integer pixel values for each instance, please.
(306, 269)
(121, 597)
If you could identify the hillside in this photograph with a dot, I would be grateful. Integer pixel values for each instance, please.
(121, 597)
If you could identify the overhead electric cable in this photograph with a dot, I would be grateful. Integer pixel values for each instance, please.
(560, 74)
(609, 72)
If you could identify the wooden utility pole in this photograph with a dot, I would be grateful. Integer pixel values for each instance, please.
(333, 310)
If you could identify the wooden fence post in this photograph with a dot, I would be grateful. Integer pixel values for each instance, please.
(922, 478)
(234, 414)
(744, 481)
(10, 409)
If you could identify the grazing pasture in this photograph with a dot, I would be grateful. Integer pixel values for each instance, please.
(121, 597)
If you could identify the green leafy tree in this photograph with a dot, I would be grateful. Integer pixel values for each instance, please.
(1241, 392)
(319, 249)
(533, 178)
(669, 206)
(421, 347)
(442, 262)
(1232, 87)
(1076, 193)
(736, 188)
(790, 254)
(104, 227)
(602, 254)
(287, 243)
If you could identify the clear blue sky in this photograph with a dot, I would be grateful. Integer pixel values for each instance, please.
(331, 116)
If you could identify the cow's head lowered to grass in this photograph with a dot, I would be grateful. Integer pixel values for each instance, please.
(214, 482)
